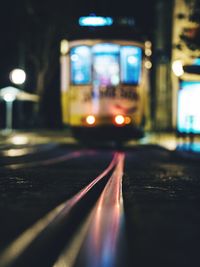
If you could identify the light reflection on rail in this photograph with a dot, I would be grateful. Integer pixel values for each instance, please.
(52, 219)
(100, 247)
(17, 151)
(46, 162)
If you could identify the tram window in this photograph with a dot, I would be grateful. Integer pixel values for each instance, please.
(106, 64)
(80, 58)
(131, 63)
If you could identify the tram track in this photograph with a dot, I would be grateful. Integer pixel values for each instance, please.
(161, 195)
(103, 242)
(41, 244)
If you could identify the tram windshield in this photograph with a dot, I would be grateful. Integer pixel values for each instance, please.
(106, 64)
(131, 63)
(111, 64)
(80, 65)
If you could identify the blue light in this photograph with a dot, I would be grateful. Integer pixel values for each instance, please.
(131, 64)
(106, 64)
(105, 48)
(188, 120)
(80, 65)
(95, 21)
(197, 61)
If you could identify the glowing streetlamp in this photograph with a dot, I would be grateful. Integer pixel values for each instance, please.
(9, 95)
(17, 76)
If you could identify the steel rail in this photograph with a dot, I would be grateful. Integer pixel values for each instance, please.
(104, 244)
(41, 244)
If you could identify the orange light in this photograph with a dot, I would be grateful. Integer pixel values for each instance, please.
(90, 119)
(127, 120)
(119, 119)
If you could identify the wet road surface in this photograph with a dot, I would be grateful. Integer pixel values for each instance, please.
(160, 191)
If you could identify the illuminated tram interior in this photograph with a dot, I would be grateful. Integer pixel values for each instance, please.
(112, 63)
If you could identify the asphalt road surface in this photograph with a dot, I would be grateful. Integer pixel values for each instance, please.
(160, 222)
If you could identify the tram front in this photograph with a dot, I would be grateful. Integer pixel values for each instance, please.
(104, 94)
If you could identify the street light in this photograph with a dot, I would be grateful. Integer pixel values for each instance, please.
(9, 94)
(17, 76)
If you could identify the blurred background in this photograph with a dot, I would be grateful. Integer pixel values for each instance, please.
(31, 33)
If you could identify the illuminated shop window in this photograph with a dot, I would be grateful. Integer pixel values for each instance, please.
(188, 120)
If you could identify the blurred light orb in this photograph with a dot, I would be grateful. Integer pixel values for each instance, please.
(17, 76)
(74, 57)
(148, 52)
(9, 94)
(64, 47)
(9, 97)
(132, 60)
(148, 64)
(19, 140)
(148, 44)
(90, 119)
(177, 68)
(119, 119)
(95, 21)
(127, 120)
(115, 79)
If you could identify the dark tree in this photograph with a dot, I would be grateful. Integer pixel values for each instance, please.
(41, 26)
(40, 34)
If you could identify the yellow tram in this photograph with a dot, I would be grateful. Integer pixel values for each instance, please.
(103, 87)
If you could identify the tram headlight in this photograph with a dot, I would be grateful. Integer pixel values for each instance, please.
(90, 120)
(119, 119)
